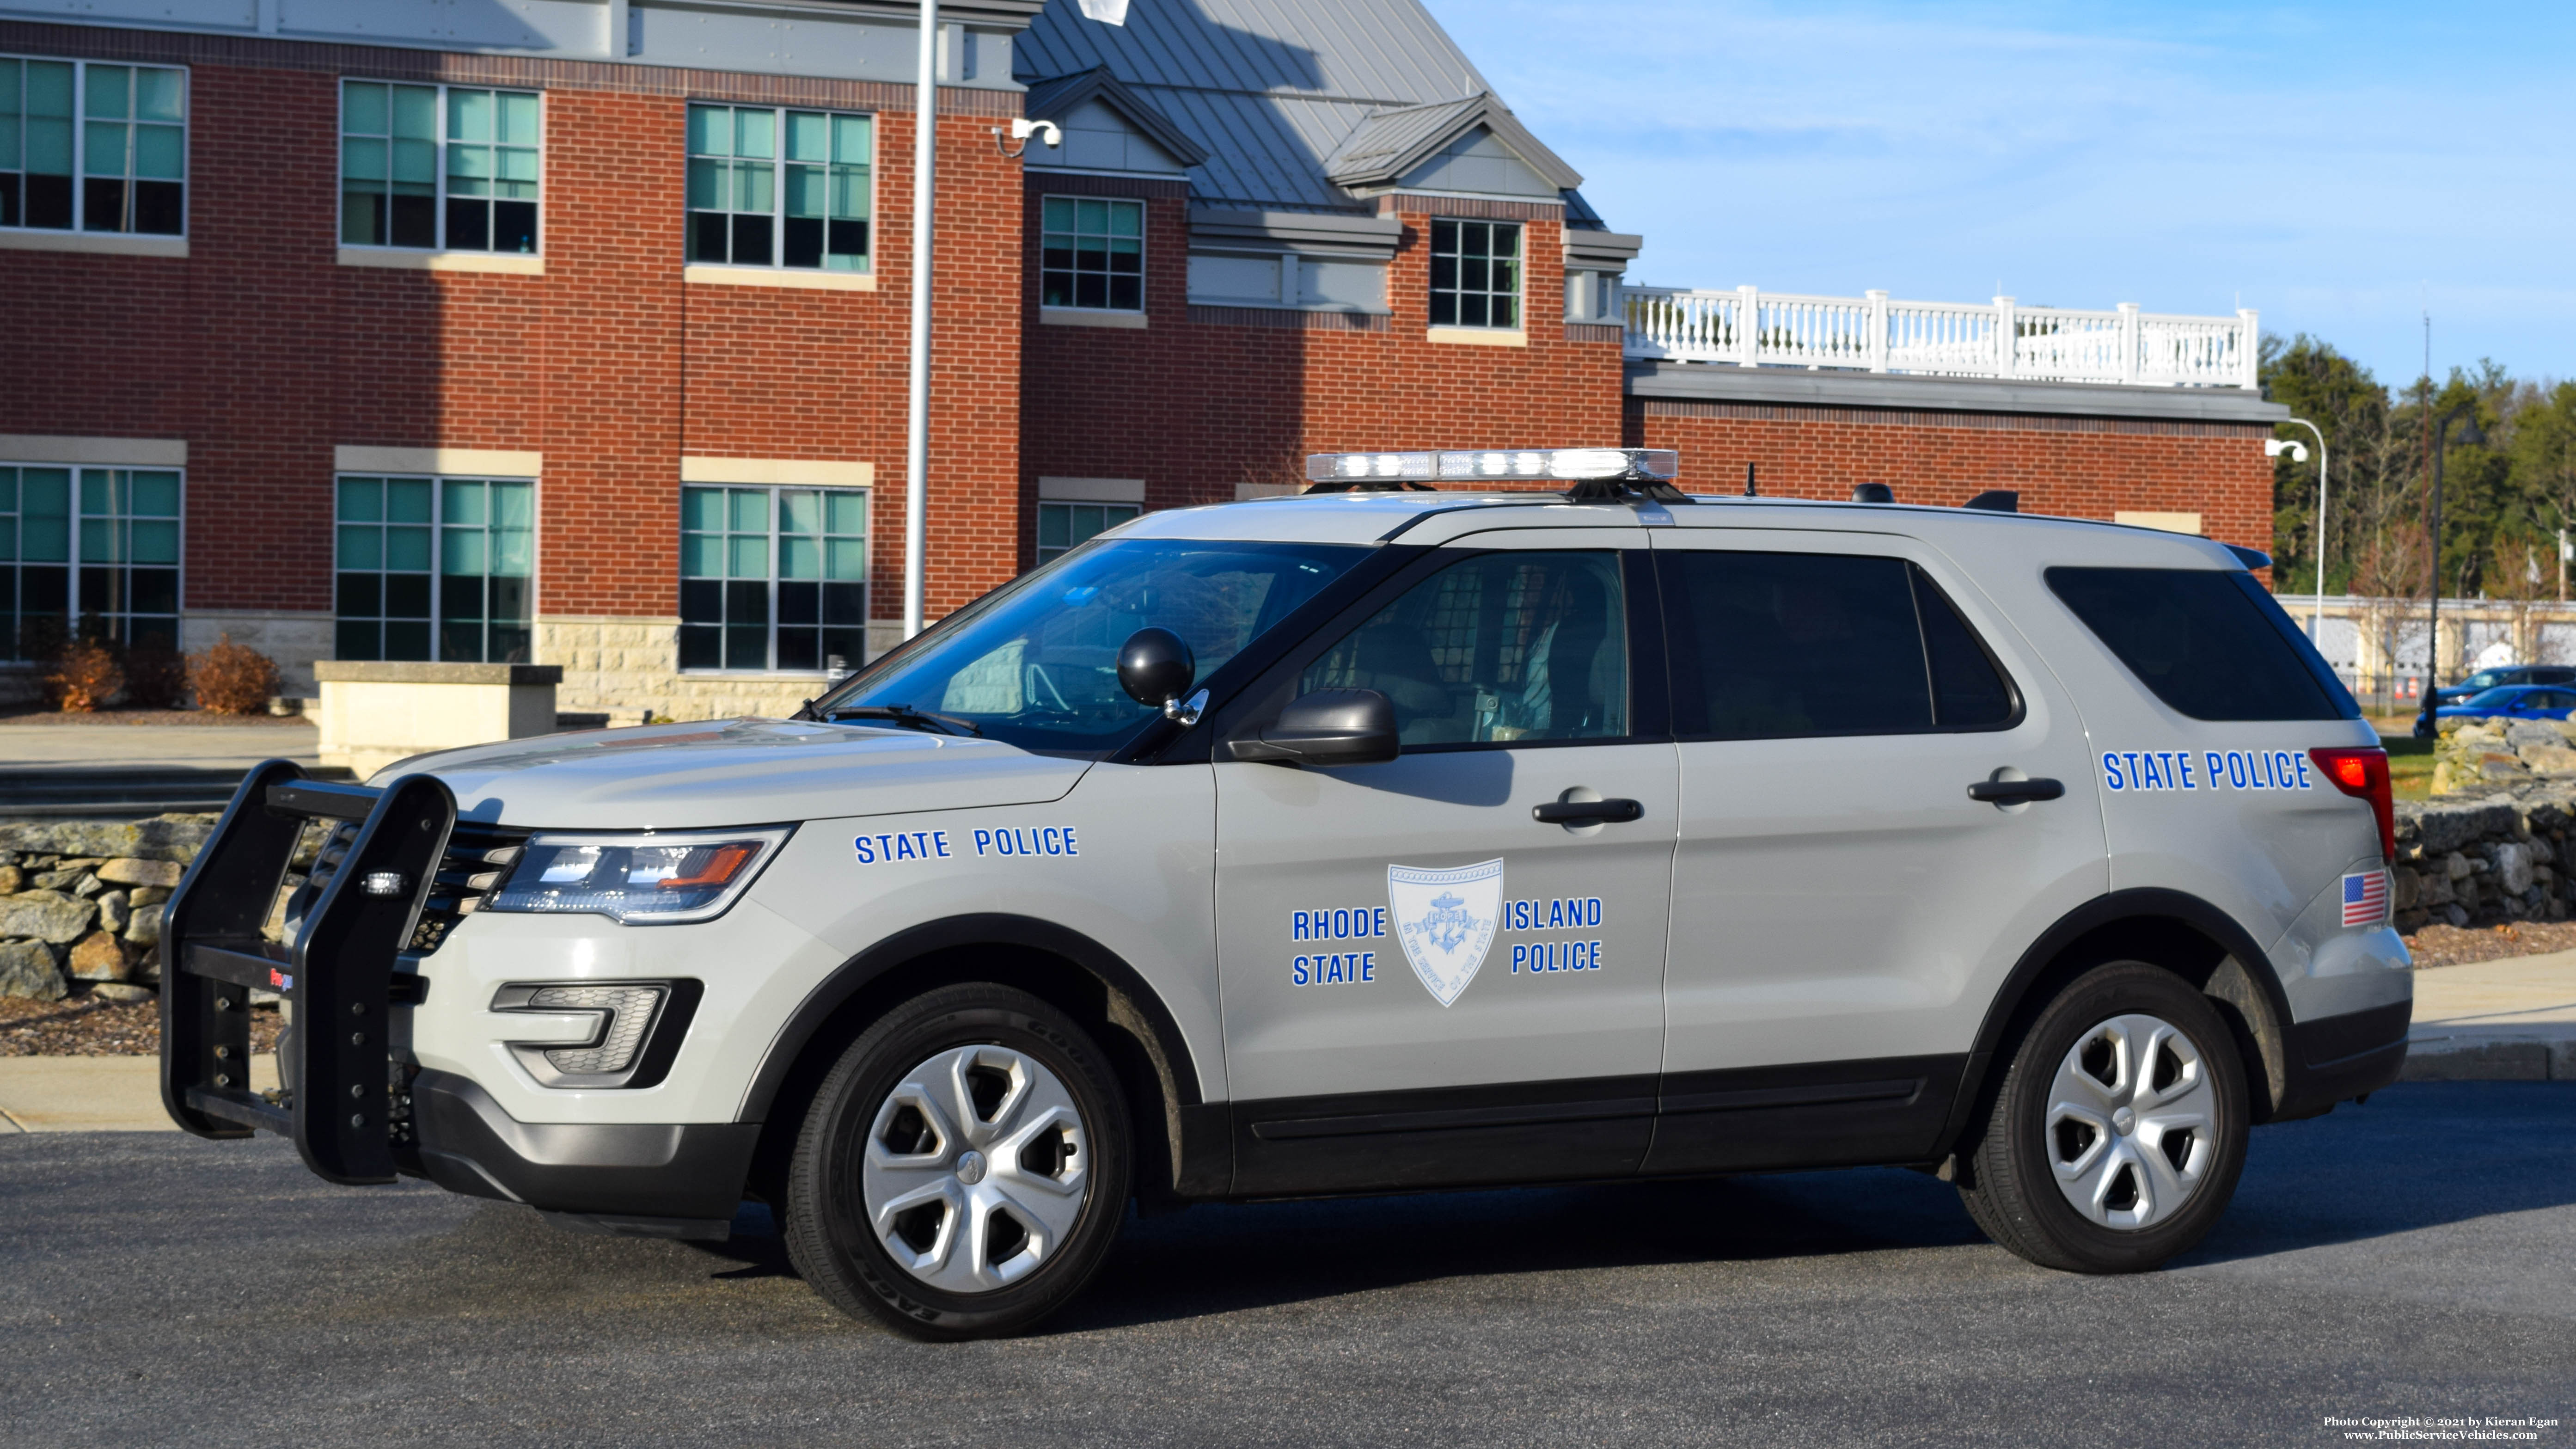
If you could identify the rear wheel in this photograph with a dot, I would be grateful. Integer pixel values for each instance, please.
(964, 1168)
(2120, 1131)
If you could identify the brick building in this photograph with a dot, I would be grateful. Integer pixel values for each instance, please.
(574, 332)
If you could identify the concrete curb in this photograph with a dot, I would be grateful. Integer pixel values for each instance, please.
(2491, 1056)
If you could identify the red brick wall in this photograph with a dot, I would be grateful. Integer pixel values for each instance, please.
(1206, 398)
(263, 353)
(2073, 467)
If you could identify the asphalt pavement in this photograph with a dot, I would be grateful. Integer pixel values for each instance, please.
(2414, 1256)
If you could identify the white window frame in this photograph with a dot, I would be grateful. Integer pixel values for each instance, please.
(1520, 276)
(778, 164)
(1144, 218)
(438, 205)
(80, 150)
(866, 494)
(72, 563)
(437, 525)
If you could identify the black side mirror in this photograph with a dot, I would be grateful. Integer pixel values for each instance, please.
(1156, 667)
(1326, 729)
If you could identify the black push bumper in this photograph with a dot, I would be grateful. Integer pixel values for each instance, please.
(2336, 1058)
(338, 972)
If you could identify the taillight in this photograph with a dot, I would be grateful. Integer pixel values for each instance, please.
(2363, 774)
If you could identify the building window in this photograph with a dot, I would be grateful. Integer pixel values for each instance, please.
(1062, 527)
(121, 129)
(438, 167)
(435, 568)
(773, 579)
(1475, 274)
(87, 551)
(1092, 254)
(779, 188)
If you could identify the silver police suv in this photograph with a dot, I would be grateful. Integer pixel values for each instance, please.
(1374, 840)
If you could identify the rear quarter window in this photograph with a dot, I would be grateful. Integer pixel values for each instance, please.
(2210, 643)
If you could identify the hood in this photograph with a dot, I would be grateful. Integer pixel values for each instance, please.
(734, 772)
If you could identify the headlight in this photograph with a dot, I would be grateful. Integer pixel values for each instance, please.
(652, 879)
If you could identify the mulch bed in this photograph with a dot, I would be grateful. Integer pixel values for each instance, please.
(87, 1026)
(2460, 945)
(186, 718)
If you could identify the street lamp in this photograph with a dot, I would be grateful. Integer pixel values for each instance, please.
(2472, 434)
(2275, 447)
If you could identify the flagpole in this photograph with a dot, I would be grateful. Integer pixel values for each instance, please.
(916, 445)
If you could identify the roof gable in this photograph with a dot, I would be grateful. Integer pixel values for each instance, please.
(1395, 142)
(1093, 94)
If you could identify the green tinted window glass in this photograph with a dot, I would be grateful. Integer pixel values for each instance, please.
(852, 139)
(155, 541)
(362, 500)
(710, 130)
(800, 512)
(750, 510)
(363, 108)
(702, 556)
(160, 153)
(464, 503)
(809, 136)
(748, 558)
(415, 112)
(752, 133)
(407, 500)
(517, 120)
(361, 547)
(702, 509)
(407, 550)
(514, 505)
(156, 495)
(109, 92)
(160, 95)
(469, 115)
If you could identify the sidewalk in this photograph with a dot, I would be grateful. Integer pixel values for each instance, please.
(94, 1094)
(2512, 1020)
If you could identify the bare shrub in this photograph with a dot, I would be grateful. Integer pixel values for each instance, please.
(232, 678)
(86, 676)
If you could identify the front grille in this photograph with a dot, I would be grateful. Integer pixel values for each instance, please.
(478, 859)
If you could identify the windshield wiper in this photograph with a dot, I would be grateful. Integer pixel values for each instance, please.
(908, 717)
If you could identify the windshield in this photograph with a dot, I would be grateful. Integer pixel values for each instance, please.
(2494, 698)
(1035, 664)
(2483, 679)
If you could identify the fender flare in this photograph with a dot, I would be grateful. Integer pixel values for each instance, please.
(2145, 903)
(1165, 1042)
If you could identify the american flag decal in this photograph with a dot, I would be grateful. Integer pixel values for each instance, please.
(2365, 898)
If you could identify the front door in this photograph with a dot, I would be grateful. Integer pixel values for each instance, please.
(1423, 983)
(1845, 911)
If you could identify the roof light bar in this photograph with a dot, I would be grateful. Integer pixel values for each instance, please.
(1497, 464)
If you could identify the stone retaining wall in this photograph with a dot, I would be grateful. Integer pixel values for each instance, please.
(81, 901)
(2509, 856)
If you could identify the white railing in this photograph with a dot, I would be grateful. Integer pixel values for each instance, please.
(1752, 328)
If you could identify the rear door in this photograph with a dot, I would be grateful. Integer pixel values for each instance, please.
(1423, 984)
(1843, 909)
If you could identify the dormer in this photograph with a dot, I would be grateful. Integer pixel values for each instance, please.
(1108, 129)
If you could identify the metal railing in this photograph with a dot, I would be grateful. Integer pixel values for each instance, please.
(1752, 328)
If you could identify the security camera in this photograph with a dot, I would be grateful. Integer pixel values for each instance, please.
(1048, 131)
(2275, 447)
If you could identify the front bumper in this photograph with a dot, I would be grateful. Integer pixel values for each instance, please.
(2336, 1058)
(629, 1176)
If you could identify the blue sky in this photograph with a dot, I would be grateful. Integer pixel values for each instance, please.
(2338, 167)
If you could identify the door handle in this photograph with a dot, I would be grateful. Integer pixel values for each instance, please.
(1587, 812)
(2015, 792)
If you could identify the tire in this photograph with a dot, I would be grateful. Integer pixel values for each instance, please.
(964, 1167)
(2119, 1132)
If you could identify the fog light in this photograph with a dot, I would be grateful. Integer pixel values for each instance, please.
(384, 883)
(626, 1013)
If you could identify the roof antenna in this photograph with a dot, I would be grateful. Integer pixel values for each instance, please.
(1749, 490)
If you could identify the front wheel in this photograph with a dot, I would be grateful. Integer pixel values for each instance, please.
(964, 1168)
(2117, 1138)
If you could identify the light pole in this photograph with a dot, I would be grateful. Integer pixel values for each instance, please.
(916, 431)
(2425, 728)
(2275, 447)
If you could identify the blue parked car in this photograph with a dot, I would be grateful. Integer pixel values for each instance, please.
(2515, 701)
(2486, 679)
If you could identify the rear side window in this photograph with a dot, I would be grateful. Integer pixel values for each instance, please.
(1791, 645)
(2210, 643)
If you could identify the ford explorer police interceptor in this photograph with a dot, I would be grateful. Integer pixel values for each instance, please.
(1373, 840)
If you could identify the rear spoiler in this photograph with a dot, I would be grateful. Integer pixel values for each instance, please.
(338, 971)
